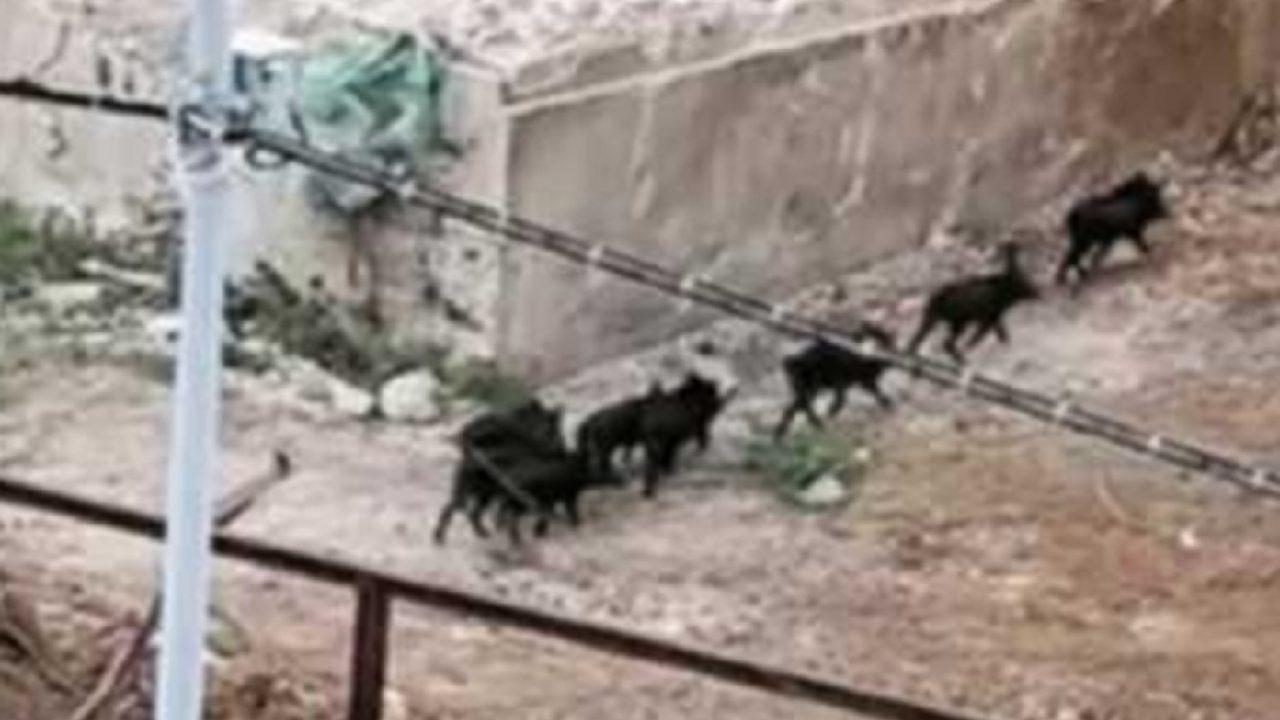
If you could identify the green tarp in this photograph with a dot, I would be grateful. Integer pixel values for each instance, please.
(375, 97)
(373, 92)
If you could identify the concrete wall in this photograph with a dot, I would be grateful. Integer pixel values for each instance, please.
(398, 251)
(90, 166)
(110, 165)
(768, 167)
(776, 168)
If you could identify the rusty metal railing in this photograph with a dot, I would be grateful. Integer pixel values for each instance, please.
(376, 590)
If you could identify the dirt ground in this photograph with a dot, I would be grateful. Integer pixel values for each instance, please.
(988, 562)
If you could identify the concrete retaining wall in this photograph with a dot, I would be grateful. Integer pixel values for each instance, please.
(772, 169)
(395, 252)
(99, 169)
(767, 167)
(89, 166)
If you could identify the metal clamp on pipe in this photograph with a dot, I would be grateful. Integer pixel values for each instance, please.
(595, 256)
(228, 123)
(1062, 411)
(686, 287)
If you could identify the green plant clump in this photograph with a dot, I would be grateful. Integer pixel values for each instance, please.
(485, 382)
(18, 245)
(28, 254)
(788, 467)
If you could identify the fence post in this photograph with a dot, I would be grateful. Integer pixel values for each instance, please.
(369, 651)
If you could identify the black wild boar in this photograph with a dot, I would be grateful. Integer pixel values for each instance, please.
(977, 302)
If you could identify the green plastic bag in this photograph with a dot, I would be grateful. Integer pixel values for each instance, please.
(373, 92)
(375, 98)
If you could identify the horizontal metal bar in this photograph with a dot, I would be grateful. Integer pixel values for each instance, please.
(24, 89)
(592, 635)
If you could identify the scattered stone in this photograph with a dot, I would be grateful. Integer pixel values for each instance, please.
(824, 492)
(942, 237)
(299, 382)
(92, 343)
(349, 401)
(259, 348)
(410, 397)
(394, 705)
(163, 330)
(311, 700)
(225, 640)
(133, 279)
(65, 298)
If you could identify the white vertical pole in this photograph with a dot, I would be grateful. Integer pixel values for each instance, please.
(193, 448)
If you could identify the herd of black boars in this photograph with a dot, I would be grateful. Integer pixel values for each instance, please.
(518, 460)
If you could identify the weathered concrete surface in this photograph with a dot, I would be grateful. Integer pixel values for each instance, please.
(770, 165)
(90, 166)
(101, 167)
(773, 170)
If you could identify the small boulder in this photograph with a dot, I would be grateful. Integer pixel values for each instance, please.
(349, 401)
(162, 331)
(305, 378)
(310, 383)
(67, 297)
(225, 639)
(826, 491)
(410, 397)
(394, 705)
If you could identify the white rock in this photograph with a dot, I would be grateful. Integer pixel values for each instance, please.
(163, 330)
(68, 296)
(394, 705)
(258, 347)
(410, 397)
(348, 400)
(942, 237)
(826, 490)
(1188, 539)
(225, 639)
(309, 383)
